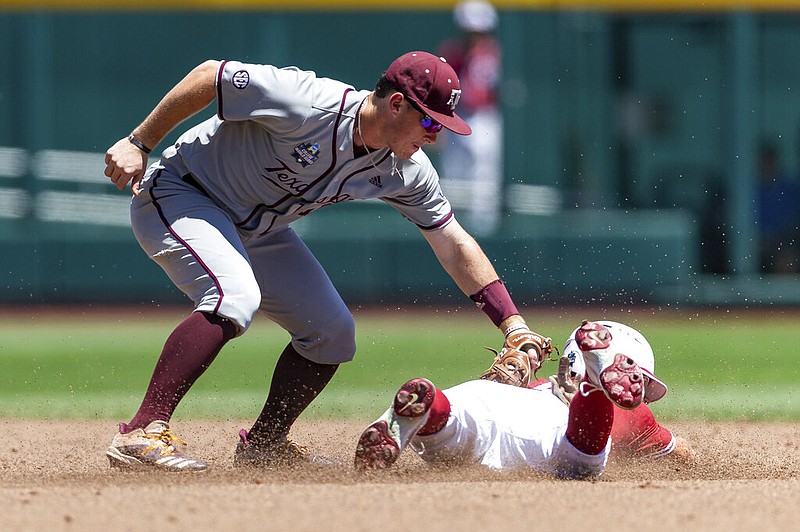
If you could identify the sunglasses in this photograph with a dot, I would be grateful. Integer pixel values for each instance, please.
(428, 124)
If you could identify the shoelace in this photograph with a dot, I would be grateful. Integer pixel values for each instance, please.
(591, 387)
(294, 447)
(166, 436)
(289, 449)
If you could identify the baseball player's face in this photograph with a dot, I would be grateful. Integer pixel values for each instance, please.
(409, 134)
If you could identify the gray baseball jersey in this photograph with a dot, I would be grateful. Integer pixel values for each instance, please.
(215, 210)
(281, 147)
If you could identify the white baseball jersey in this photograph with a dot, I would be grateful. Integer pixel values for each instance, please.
(507, 428)
(281, 147)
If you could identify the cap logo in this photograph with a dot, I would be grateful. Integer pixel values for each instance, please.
(431, 83)
(455, 95)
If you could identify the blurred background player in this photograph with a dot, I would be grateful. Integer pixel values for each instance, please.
(472, 167)
(540, 426)
(777, 196)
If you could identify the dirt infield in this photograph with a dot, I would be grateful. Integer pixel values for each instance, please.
(55, 477)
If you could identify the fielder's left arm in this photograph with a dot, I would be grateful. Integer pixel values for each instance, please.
(461, 256)
(464, 260)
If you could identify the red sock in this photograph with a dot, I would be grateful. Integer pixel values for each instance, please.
(590, 420)
(439, 414)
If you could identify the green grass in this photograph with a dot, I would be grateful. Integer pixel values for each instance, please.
(719, 365)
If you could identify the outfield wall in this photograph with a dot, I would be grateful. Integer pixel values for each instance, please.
(633, 133)
(373, 255)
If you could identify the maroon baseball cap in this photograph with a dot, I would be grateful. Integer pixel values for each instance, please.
(431, 83)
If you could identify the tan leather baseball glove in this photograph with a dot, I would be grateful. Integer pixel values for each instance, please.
(519, 359)
(510, 366)
(534, 344)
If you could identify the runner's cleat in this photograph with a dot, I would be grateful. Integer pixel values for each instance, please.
(616, 374)
(382, 442)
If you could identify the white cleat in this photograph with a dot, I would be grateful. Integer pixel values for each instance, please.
(615, 373)
(154, 447)
(382, 442)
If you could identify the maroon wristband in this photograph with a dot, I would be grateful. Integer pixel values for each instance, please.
(495, 301)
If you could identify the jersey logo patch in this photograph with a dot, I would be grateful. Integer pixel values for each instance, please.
(306, 154)
(376, 181)
(240, 79)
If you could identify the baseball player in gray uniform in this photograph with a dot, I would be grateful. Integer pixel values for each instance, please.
(215, 212)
